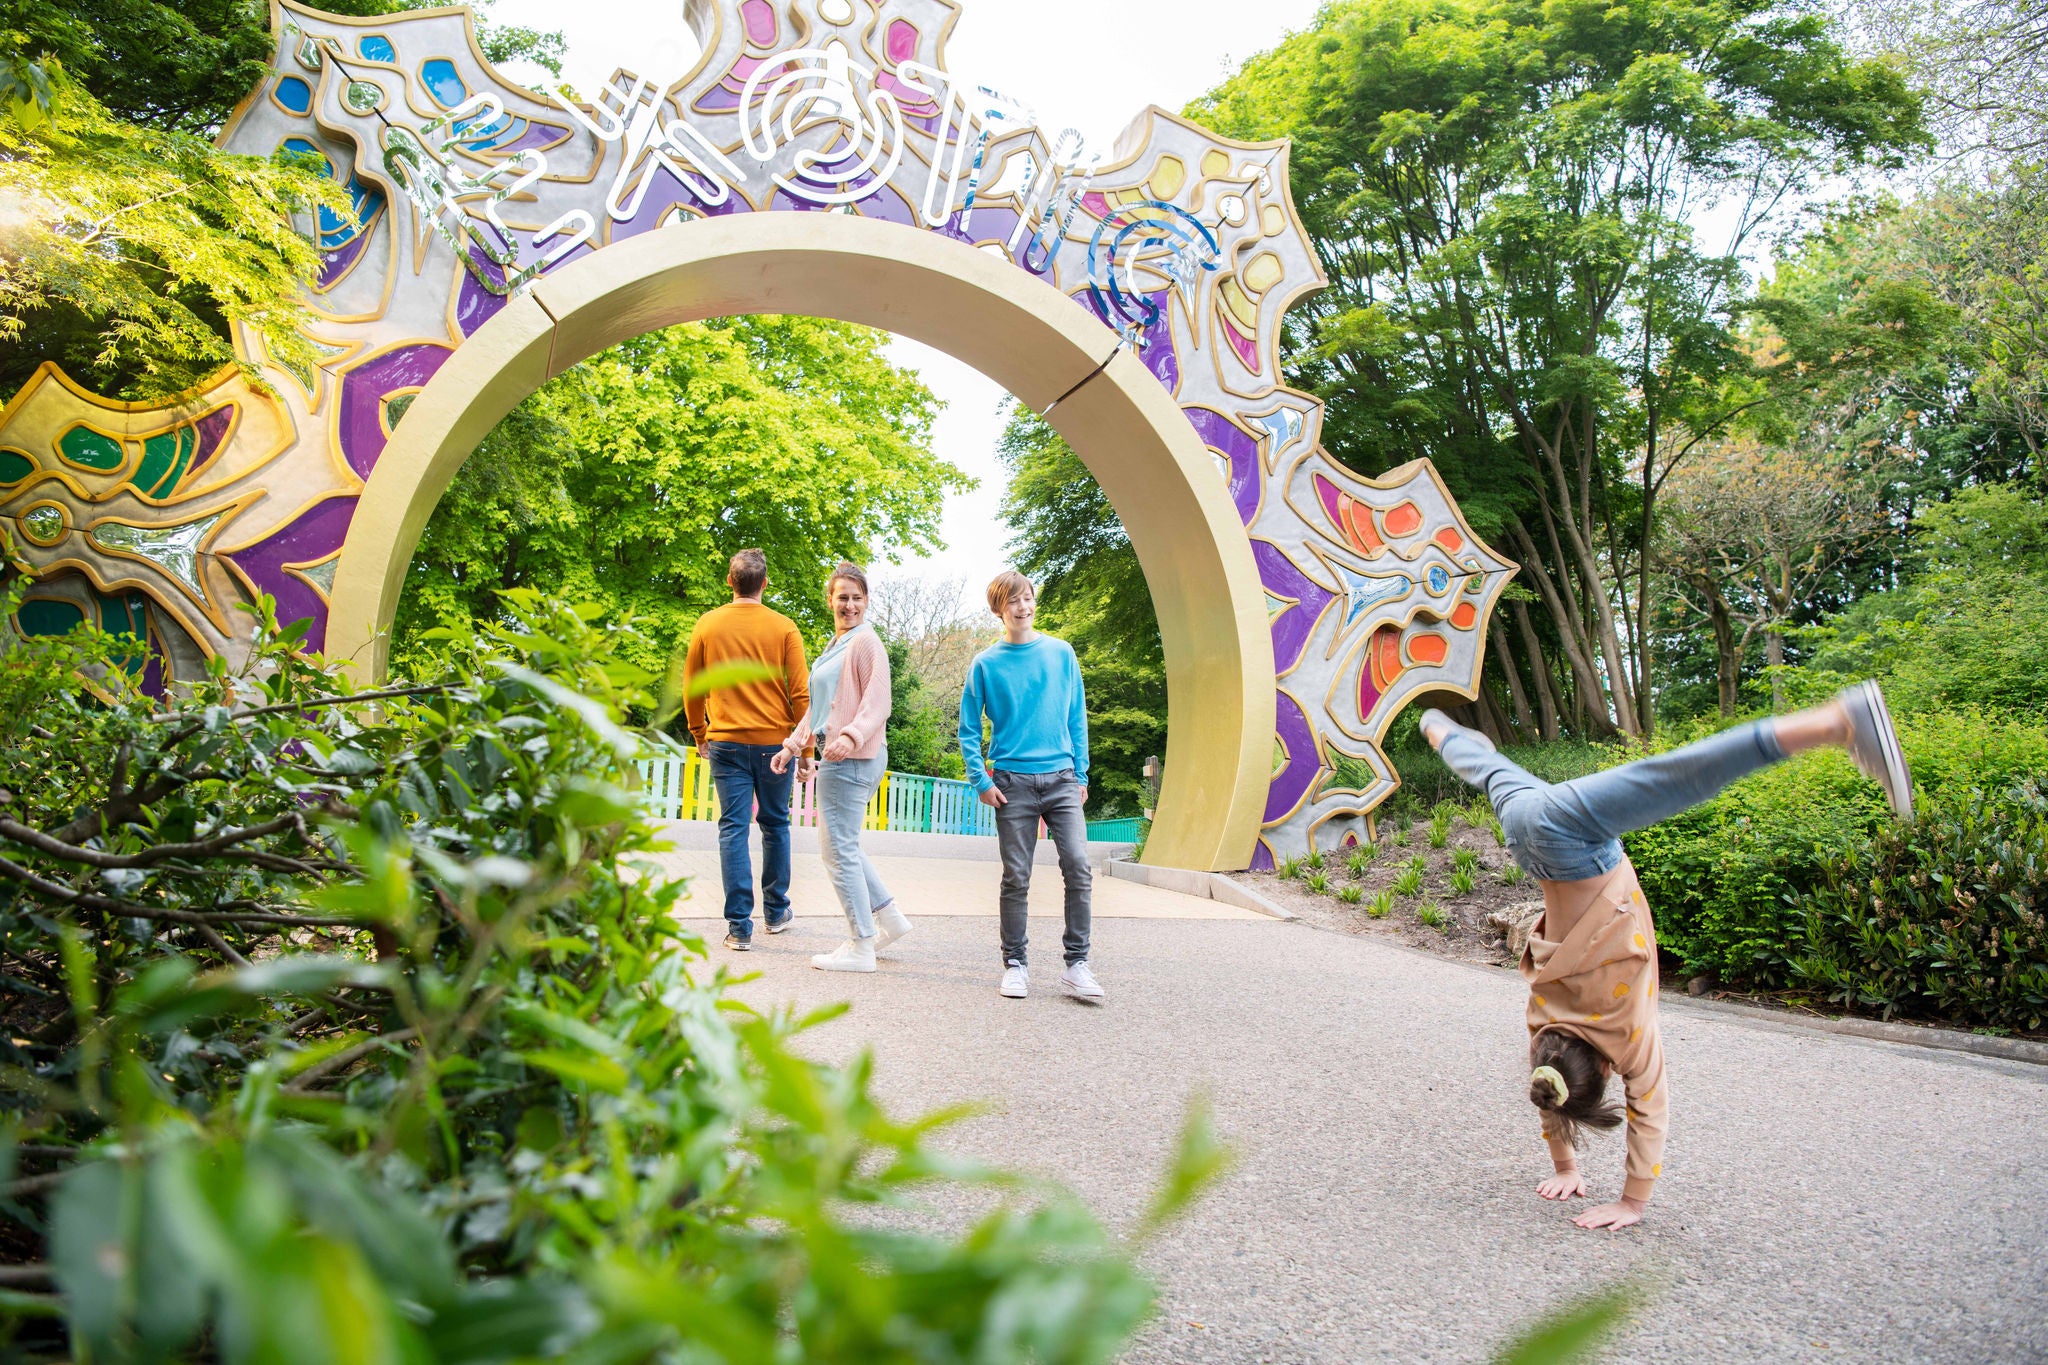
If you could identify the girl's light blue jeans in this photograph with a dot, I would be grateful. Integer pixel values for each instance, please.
(845, 787)
(1570, 831)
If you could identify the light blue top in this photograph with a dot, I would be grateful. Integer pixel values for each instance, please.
(825, 674)
(1038, 715)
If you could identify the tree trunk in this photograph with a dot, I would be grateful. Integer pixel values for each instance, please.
(1506, 664)
(1497, 727)
(1588, 678)
(1539, 672)
(1774, 657)
(1727, 663)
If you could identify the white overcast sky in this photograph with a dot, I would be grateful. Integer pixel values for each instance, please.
(1086, 64)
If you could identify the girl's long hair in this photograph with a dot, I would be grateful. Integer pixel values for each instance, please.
(1584, 1106)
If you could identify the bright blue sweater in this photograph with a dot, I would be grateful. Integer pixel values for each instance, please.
(1038, 716)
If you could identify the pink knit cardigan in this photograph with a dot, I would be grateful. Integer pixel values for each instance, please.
(860, 708)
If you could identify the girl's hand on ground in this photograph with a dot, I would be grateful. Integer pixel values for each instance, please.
(1564, 1185)
(1622, 1213)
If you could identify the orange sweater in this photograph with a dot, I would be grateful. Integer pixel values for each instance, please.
(756, 712)
(1591, 965)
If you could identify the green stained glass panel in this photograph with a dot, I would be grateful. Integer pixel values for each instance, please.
(44, 617)
(164, 460)
(15, 466)
(84, 446)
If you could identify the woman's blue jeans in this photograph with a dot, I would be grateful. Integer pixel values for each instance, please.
(1572, 830)
(845, 787)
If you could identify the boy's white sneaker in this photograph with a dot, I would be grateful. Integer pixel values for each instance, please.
(1080, 982)
(890, 925)
(1016, 981)
(854, 955)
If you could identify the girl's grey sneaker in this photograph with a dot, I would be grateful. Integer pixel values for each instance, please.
(1080, 982)
(1874, 744)
(1433, 719)
(1016, 982)
(890, 925)
(854, 955)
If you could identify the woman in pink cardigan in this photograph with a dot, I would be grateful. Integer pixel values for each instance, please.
(848, 718)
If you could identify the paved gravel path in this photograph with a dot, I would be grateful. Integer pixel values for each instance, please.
(1825, 1198)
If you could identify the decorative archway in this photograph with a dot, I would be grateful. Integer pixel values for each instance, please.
(818, 159)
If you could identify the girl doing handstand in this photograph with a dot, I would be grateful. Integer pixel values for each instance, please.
(1591, 961)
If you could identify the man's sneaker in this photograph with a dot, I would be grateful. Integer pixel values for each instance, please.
(890, 925)
(1080, 982)
(854, 955)
(1016, 981)
(739, 943)
(1874, 744)
(780, 926)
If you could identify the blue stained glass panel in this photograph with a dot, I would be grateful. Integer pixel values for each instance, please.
(294, 94)
(443, 82)
(375, 47)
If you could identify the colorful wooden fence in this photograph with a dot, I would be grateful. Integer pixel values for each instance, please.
(677, 786)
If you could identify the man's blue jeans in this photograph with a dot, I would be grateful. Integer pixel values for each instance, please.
(743, 778)
(1572, 830)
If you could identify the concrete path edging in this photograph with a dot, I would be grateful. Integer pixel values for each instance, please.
(1213, 886)
(1915, 1035)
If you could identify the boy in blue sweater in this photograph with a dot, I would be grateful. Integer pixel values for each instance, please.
(1029, 687)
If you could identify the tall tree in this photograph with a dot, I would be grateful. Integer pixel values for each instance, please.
(1506, 195)
(631, 480)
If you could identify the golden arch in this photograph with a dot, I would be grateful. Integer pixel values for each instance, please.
(967, 302)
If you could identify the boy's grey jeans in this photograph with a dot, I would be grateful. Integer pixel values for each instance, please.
(1056, 799)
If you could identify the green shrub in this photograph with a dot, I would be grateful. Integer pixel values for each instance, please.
(1289, 868)
(1358, 863)
(339, 1029)
(1462, 882)
(1433, 915)
(1947, 917)
(1464, 860)
(1381, 905)
(1409, 883)
(1317, 882)
(1725, 878)
(1315, 860)
(1439, 831)
(1511, 874)
(1351, 895)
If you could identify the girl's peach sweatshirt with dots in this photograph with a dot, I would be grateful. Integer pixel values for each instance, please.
(1591, 965)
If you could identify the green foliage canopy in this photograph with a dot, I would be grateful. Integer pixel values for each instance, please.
(1504, 195)
(630, 481)
(126, 251)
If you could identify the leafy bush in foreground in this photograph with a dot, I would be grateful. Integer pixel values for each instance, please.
(341, 1029)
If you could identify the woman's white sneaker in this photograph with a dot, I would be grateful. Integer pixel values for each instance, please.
(1016, 981)
(854, 955)
(890, 925)
(1080, 982)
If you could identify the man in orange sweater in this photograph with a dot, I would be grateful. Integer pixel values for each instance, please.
(738, 729)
